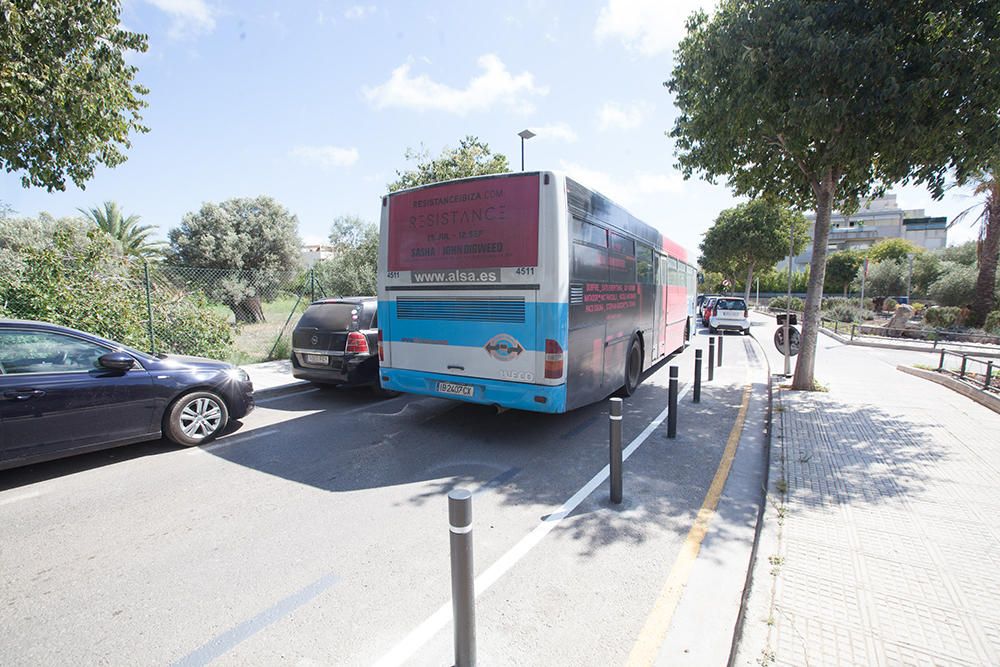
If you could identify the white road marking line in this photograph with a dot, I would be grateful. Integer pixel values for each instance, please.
(284, 396)
(19, 497)
(234, 440)
(423, 633)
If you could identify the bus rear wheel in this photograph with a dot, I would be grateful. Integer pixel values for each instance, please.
(633, 367)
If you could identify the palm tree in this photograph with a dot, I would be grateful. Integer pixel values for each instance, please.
(133, 236)
(988, 245)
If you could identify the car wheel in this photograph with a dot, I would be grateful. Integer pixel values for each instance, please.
(196, 417)
(633, 367)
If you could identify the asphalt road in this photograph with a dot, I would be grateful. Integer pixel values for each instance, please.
(316, 533)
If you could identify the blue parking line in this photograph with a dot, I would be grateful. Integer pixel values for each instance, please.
(228, 640)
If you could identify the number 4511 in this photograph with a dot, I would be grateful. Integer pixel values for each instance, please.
(525, 271)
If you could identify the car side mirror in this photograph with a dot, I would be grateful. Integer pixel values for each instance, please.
(116, 361)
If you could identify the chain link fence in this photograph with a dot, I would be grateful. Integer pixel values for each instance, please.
(240, 316)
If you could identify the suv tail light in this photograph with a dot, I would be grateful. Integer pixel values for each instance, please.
(356, 343)
(746, 312)
(553, 359)
(381, 352)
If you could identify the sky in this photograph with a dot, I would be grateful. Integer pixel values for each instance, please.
(316, 102)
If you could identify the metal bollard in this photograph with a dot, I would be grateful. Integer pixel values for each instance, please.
(711, 358)
(615, 421)
(965, 360)
(853, 327)
(697, 376)
(941, 363)
(720, 353)
(672, 397)
(463, 593)
(989, 374)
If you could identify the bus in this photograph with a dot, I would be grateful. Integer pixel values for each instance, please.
(526, 291)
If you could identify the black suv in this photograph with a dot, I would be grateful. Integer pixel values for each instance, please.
(336, 343)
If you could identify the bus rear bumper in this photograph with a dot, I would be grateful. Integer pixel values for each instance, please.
(516, 395)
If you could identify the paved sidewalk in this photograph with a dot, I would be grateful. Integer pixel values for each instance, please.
(272, 376)
(881, 541)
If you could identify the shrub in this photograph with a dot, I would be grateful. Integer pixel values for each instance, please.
(992, 325)
(943, 317)
(846, 313)
(782, 302)
(956, 286)
(836, 302)
(889, 305)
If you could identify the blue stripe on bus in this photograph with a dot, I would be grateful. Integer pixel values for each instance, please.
(541, 321)
(517, 395)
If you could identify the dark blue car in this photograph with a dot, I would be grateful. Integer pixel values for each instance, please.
(65, 392)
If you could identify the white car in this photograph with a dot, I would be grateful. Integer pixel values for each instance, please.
(729, 313)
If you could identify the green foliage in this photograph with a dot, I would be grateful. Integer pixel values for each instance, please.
(133, 237)
(893, 249)
(886, 278)
(822, 104)
(956, 286)
(81, 279)
(751, 235)
(889, 305)
(257, 235)
(943, 317)
(68, 99)
(775, 280)
(472, 158)
(352, 271)
(784, 303)
(844, 312)
(992, 324)
(841, 269)
(964, 254)
(926, 269)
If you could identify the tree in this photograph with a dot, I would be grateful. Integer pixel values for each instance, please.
(894, 249)
(841, 268)
(68, 99)
(472, 158)
(956, 286)
(126, 230)
(352, 271)
(751, 235)
(256, 239)
(988, 246)
(825, 104)
(886, 278)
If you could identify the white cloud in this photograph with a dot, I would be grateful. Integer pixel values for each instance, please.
(624, 117)
(326, 156)
(558, 131)
(189, 16)
(358, 12)
(647, 26)
(625, 190)
(495, 85)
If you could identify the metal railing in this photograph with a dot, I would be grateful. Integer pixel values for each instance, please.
(966, 374)
(933, 336)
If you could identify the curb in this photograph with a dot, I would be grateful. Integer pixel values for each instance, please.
(279, 390)
(984, 399)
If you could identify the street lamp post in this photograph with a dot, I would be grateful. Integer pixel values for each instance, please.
(524, 134)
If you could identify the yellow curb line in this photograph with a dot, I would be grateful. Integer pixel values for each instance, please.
(658, 623)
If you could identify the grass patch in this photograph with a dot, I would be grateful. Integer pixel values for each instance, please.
(253, 343)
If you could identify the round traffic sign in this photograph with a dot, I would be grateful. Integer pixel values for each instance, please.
(794, 338)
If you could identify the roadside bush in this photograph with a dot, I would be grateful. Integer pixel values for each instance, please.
(846, 313)
(837, 301)
(992, 325)
(889, 305)
(782, 302)
(943, 317)
(956, 286)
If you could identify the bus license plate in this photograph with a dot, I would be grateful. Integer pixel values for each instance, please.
(321, 359)
(455, 389)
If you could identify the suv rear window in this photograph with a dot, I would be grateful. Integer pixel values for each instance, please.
(332, 316)
(731, 304)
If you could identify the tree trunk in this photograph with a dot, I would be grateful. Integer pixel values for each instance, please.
(746, 294)
(248, 311)
(806, 364)
(989, 251)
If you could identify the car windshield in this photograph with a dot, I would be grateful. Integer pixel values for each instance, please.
(732, 304)
(332, 316)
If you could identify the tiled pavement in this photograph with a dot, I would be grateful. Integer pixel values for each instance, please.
(881, 543)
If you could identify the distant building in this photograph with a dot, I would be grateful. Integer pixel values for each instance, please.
(880, 219)
(315, 252)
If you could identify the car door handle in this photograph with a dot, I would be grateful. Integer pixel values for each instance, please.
(23, 394)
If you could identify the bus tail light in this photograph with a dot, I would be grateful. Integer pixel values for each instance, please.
(356, 343)
(381, 352)
(553, 359)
